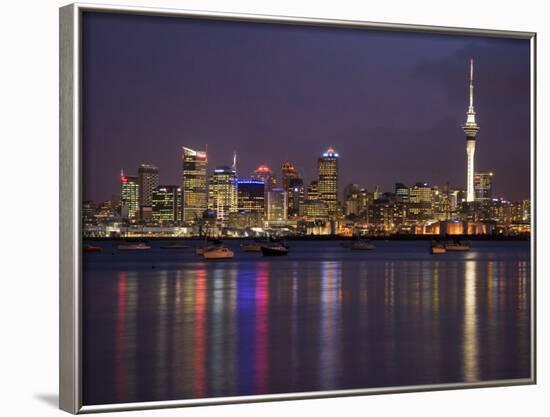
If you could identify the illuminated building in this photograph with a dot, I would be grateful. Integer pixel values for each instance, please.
(315, 210)
(420, 202)
(296, 196)
(483, 185)
(88, 212)
(327, 167)
(376, 194)
(148, 179)
(222, 192)
(470, 129)
(386, 216)
(251, 195)
(401, 192)
(129, 197)
(264, 173)
(194, 184)
(352, 200)
(245, 219)
(105, 212)
(313, 190)
(294, 186)
(277, 205)
(166, 204)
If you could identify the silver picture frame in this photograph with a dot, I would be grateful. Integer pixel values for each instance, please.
(70, 288)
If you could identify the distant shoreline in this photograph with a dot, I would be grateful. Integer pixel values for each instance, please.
(520, 238)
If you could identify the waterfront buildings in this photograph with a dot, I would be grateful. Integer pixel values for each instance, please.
(420, 202)
(483, 186)
(264, 173)
(148, 180)
(401, 192)
(222, 192)
(194, 184)
(294, 187)
(166, 204)
(251, 195)
(327, 168)
(277, 205)
(129, 197)
(471, 129)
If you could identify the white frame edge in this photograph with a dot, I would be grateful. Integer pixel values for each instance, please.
(70, 384)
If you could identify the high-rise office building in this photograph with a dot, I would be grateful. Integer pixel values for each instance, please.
(250, 195)
(148, 178)
(401, 192)
(288, 173)
(264, 173)
(277, 205)
(294, 186)
(296, 197)
(166, 204)
(222, 192)
(327, 167)
(194, 184)
(420, 201)
(483, 186)
(313, 190)
(471, 129)
(129, 197)
(352, 199)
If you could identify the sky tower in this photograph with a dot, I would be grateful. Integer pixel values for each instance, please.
(470, 128)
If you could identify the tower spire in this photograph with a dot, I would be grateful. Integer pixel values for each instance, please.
(471, 108)
(470, 129)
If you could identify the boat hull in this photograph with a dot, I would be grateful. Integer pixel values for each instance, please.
(274, 251)
(216, 254)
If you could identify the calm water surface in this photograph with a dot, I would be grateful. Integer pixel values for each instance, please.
(165, 325)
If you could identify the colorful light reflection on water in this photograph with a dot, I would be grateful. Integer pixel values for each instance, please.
(320, 319)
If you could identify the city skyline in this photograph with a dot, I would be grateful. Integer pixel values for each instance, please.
(408, 129)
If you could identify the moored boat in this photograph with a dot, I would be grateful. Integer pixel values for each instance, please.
(91, 249)
(218, 253)
(437, 248)
(276, 249)
(133, 246)
(457, 246)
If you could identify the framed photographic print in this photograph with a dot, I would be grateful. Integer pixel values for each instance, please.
(258, 208)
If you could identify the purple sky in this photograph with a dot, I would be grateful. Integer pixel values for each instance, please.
(391, 103)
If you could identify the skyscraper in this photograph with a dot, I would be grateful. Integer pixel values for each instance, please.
(401, 192)
(277, 205)
(166, 203)
(250, 195)
(264, 173)
(294, 186)
(328, 179)
(129, 196)
(148, 176)
(288, 173)
(148, 179)
(194, 184)
(222, 192)
(470, 129)
(352, 199)
(483, 186)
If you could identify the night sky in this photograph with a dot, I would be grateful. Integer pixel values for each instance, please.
(392, 104)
